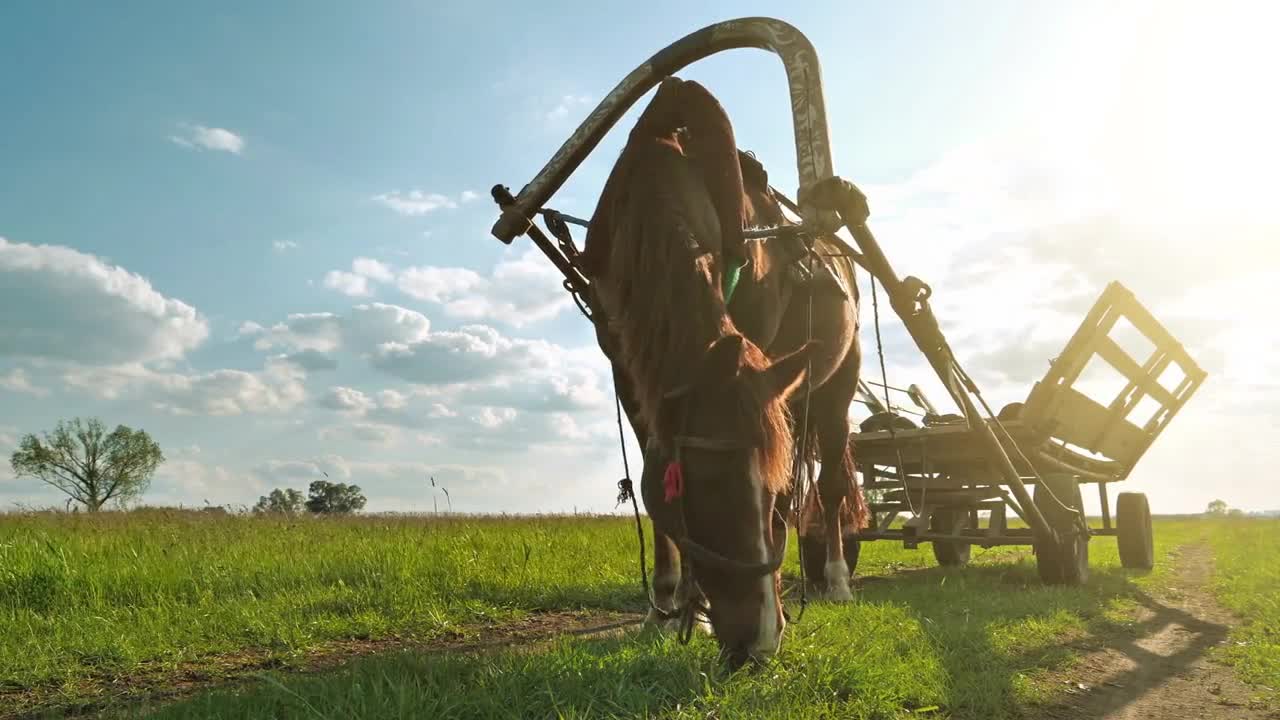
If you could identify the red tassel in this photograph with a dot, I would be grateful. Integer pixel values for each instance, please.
(673, 481)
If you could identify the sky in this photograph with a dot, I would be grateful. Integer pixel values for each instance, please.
(260, 231)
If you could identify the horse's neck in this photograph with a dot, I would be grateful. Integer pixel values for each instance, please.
(761, 299)
(661, 307)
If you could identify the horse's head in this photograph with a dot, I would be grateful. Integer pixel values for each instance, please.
(727, 445)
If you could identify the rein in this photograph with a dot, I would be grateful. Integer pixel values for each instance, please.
(688, 545)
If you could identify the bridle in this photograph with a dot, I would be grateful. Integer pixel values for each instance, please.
(690, 549)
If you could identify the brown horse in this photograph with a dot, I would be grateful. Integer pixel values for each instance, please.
(713, 412)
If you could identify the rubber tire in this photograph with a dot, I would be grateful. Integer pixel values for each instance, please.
(1133, 531)
(1010, 412)
(852, 547)
(880, 422)
(946, 552)
(1066, 563)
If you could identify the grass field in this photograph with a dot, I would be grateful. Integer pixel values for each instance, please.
(90, 606)
(1247, 554)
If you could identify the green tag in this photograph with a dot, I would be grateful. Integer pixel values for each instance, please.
(729, 282)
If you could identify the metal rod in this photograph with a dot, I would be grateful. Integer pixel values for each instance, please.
(502, 196)
(808, 112)
(924, 330)
(754, 234)
(890, 387)
(1106, 505)
(571, 219)
(930, 537)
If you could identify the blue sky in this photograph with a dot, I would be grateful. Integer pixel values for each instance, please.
(287, 187)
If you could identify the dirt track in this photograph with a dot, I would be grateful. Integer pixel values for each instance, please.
(1165, 672)
(158, 683)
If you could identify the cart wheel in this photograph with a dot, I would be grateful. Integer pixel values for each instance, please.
(950, 520)
(1133, 531)
(1068, 562)
(852, 546)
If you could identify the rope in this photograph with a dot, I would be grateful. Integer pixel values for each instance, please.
(626, 491)
(884, 382)
(802, 450)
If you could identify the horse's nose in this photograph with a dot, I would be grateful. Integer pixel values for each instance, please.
(737, 657)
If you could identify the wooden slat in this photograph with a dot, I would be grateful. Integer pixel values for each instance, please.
(1078, 418)
(1115, 356)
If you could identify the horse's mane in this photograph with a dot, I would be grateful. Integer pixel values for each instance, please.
(664, 304)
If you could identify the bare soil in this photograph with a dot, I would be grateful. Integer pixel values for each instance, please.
(1166, 671)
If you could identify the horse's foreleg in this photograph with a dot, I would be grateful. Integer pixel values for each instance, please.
(665, 579)
(833, 489)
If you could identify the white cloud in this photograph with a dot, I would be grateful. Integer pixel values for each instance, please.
(16, 380)
(372, 324)
(359, 282)
(492, 418)
(209, 138)
(313, 339)
(361, 432)
(281, 246)
(321, 332)
(61, 304)
(415, 202)
(335, 468)
(347, 399)
(436, 284)
(347, 283)
(476, 363)
(468, 196)
(278, 387)
(518, 292)
(372, 269)
(185, 481)
(566, 105)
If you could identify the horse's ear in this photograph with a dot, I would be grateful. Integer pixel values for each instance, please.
(785, 374)
(723, 360)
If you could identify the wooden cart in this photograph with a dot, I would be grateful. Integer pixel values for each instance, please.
(1059, 437)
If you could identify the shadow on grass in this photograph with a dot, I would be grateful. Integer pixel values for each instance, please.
(1003, 627)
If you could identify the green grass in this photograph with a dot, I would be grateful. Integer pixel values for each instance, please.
(1247, 581)
(105, 597)
(85, 596)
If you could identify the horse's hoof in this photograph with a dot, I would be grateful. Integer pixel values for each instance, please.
(704, 627)
(653, 620)
(839, 593)
(837, 582)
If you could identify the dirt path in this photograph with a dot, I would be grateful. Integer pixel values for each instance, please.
(163, 682)
(1165, 671)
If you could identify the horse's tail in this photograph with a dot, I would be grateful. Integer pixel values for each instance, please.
(855, 512)
(856, 502)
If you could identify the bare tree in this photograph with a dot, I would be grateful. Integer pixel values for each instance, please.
(91, 466)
